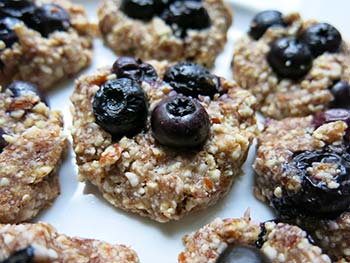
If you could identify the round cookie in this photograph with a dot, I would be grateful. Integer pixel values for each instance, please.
(302, 170)
(269, 241)
(31, 147)
(278, 62)
(41, 243)
(168, 32)
(43, 41)
(141, 175)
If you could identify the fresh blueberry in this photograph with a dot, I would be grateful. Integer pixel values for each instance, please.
(263, 20)
(341, 94)
(322, 38)
(21, 88)
(142, 9)
(316, 198)
(290, 58)
(120, 107)
(180, 122)
(186, 14)
(25, 255)
(3, 143)
(7, 34)
(331, 115)
(49, 18)
(242, 254)
(128, 67)
(17, 9)
(192, 79)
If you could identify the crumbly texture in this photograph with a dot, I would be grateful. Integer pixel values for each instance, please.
(139, 175)
(276, 145)
(30, 161)
(283, 242)
(44, 61)
(156, 40)
(52, 247)
(280, 97)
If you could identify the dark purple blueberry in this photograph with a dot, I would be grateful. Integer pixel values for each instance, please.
(263, 20)
(290, 58)
(49, 18)
(186, 14)
(261, 237)
(242, 254)
(21, 88)
(142, 9)
(7, 34)
(331, 115)
(192, 80)
(25, 255)
(3, 143)
(341, 94)
(321, 38)
(131, 68)
(120, 107)
(316, 198)
(18, 9)
(180, 122)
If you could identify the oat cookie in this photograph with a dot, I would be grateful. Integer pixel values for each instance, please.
(41, 243)
(267, 242)
(172, 30)
(180, 153)
(303, 169)
(293, 67)
(31, 146)
(43, 41)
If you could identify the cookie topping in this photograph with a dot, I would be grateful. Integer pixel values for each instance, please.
(322, 38)
(290, 58)
(7, 34)
(3, 143)
(242, 254)
(49, 18)
(263, 20)
(331, 115)
(21, 88)
(183, 15)
(128, 67)
(192, 80)
(120, 107)
(341, 94)
(141, 9)
(18, 9)
(180, 122)
(25, 255)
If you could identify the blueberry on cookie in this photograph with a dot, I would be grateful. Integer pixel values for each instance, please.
(161, 140)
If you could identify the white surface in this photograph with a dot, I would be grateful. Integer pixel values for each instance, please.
(81, 211)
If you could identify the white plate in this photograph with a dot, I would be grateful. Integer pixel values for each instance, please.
(81, 211)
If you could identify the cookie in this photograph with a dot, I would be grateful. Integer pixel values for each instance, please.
(43, 41)
(151, 150)
(31, 147)
(179, 30)
(302, 170)
(293, 67)
(41, 243)
(243, 240)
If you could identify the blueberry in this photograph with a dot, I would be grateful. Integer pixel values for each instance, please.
(186, 14)
(192, 79)
(341, 94)
(321, 38)
(242, 254)
(316, 198)
(49, 18)
(128, 67)
(180, 122)
(263, 20)
(290, 58)
(120, 107)
(21, 88)
(7, 34)
(25, 255)
(18, 9)
(142, 9)
(3, 143)
(331, 115)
